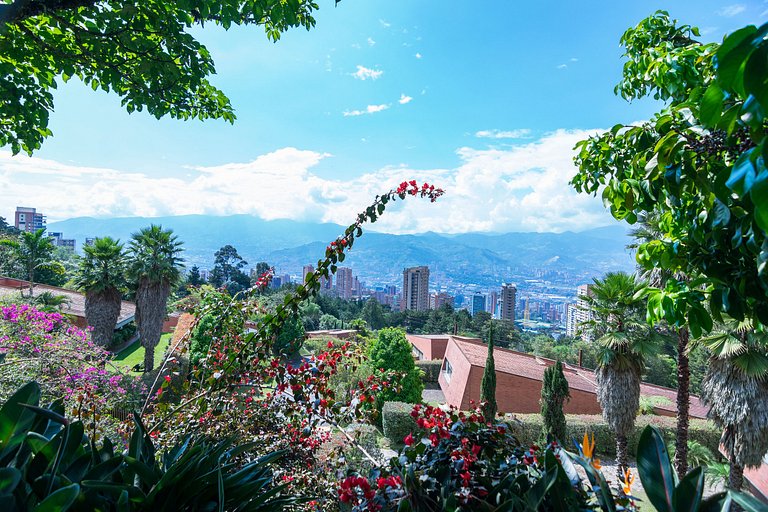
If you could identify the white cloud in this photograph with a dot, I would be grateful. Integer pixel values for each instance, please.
(562, 66)
(520, 133)
(418, 55)
(364, 73)
(370, 109)
(385, 23)
(371, 42)
(574, 59)
(732, 10)
(404, 99)
(523, 188)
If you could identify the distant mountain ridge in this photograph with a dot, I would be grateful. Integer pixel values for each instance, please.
(471, 258)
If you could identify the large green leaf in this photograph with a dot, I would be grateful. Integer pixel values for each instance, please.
(9, 479)
(60, 500)
(16, 420)
(711, 105)
(689, 492)
(655, 470)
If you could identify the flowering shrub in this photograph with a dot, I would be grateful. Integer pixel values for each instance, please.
(244, 389)
(41, 346)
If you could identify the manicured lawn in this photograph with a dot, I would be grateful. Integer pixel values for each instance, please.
(133, 355)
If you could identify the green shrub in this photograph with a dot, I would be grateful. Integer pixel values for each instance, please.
(529, 427)
(397, 421)
(391, 352)
(123, 334)
(430, 370)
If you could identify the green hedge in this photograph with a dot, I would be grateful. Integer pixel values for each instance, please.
(530, 426)
(430, 370)
(397, 421)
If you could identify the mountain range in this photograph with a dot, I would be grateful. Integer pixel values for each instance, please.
(378, 258)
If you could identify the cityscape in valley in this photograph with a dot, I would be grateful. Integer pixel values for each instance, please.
(383, 256)
(537, 299)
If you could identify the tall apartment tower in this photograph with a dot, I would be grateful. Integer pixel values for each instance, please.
(415, 293)
(508, 294)
(345, 282)
(580, 313)
(493, 301)
(28, 219)
(308, 269)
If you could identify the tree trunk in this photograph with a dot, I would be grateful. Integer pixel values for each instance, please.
(102, 310)
(151, 300)
(736, 477)
(622, 457)
(683, 403)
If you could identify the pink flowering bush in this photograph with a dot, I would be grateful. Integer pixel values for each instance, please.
(47, 348)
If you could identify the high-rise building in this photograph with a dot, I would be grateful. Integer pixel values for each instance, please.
(90, 241)
(27, 219)
(345, 283)
(415, 295)
(508, 294)
(308, 269)
(579, 313)
(437, 300)
(493, 301)
(478, 303)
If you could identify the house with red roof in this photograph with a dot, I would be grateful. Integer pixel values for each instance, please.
(519, 379)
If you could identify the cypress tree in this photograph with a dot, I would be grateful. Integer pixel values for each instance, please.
(554, 393)
(488, 386)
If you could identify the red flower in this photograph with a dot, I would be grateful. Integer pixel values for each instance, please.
(408, 440)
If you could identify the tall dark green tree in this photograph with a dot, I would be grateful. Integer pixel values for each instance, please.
(554, 393)
(154, 268)
(373, 313)
(101, 276)
(488, 385)
(227, 270)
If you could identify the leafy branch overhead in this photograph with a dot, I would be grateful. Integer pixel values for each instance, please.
(142, 51)
(699, 163)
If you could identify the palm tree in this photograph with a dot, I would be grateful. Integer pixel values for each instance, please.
(155, 266)
(35, 252)
(101, 275)
(649, 229)
(50, 302)
(735, 387)
(624, 338)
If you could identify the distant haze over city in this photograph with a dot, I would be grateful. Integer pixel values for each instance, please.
(480, 259)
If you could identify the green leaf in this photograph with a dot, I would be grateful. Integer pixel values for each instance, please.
(731, 55)
(16, 420)
(711, 105)
(60, 500)
(689, 492)
(9, 479)
(742, 175)
(748, 503)
(655, 470)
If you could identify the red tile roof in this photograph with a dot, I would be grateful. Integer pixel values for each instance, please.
(76, 307)
(532, 367)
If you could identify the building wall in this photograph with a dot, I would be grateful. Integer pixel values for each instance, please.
(431, 348)
(508, 295)
(415, 295)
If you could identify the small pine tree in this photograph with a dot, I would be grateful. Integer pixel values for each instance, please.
(488, 386)
(554, 393)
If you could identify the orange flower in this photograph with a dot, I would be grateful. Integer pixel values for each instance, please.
(626, 484)
(588, 449)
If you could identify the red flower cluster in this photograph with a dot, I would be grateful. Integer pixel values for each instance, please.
(264, 279)
(352, 486)
(426, 190)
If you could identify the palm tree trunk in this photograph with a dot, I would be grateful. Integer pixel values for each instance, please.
(622, 458)
(102, 310)
(683, 403)
(151, 300)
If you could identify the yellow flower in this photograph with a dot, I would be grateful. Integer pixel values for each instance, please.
(626, 484)
(588, 449)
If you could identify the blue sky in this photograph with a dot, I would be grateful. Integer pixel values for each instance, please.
(485, 98)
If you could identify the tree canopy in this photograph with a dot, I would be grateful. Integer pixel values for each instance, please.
(699, 163)
(142, 51)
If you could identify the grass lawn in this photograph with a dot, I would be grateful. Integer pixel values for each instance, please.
(133, 355)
